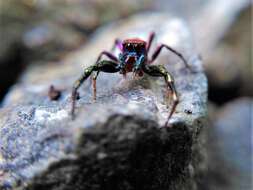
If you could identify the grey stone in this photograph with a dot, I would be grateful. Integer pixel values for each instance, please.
(117, 142)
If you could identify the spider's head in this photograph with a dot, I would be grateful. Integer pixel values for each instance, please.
(134, 45)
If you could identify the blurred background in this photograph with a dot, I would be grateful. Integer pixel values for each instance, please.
(35, 32)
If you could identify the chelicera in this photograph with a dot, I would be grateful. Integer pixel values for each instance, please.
(134, 58)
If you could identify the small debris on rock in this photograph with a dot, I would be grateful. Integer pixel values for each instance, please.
(188, 111)
(53, 93)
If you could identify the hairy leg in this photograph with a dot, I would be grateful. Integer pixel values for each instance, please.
(158, 51)
(161, 71)
(150, 40)
(104, 66)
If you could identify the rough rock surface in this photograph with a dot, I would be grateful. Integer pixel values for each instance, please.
(117, 142)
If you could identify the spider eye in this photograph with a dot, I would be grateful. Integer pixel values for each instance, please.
(129, 46)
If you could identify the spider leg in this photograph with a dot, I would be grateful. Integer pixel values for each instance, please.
(150, 40)
(94, 85)
(161, 71)
(117, 44)
(102, 66)
(107, 54)
(111, 57)
(158, 51)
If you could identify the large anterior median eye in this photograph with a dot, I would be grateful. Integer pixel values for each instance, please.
(139, 48)
(129, 47)
(134, 47)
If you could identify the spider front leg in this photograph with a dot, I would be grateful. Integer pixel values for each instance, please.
(94, 85)
(108, 55)
(158, 51)
(104, 66)
(117, 44)
(161, 71)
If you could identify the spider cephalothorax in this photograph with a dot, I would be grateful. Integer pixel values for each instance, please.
(134, 58)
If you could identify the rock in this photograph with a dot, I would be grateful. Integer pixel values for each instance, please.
(229, 147)
(117, 142)
(226, 50)
(29, 30)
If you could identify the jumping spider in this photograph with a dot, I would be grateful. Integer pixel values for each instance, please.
(133, 58)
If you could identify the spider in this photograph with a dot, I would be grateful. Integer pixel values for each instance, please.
(134, 58)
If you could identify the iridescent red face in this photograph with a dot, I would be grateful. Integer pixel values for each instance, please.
(134, 45)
